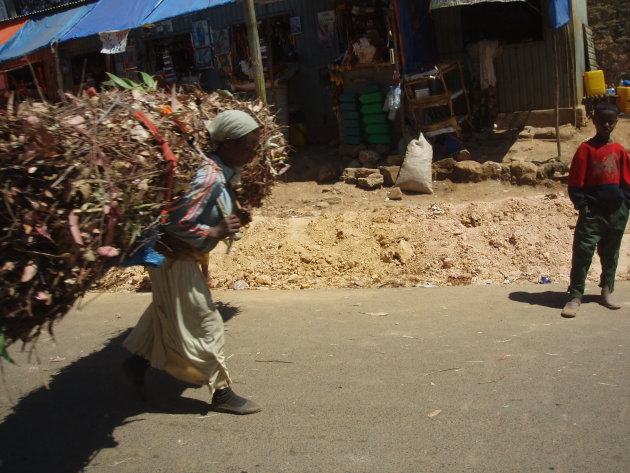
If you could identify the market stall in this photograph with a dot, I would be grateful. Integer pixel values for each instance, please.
(365, 76)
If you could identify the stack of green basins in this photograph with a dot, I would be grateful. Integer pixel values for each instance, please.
(350, 122)
(374, 118)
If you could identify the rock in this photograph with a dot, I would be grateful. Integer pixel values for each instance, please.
(491, 170)
(443, 168)
(327, 173)
(463, 155)
(373, 181)
(527, 133)
(369, 158)
(349, 175)
(549, 133)
(333, 200)
(365, 172)
(381, 149)
(506, 173)
(467, 171)
(395, 160)
(404, 253)
(263, 280)
(395, 194)
(350, 151)
(321, 205)
(390, 174)
(523, 172)
(355, 163)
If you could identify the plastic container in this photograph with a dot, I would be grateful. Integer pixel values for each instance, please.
(352, 140)
(374, 97)
(345, 98)
(368, 89)
(377, 129)
(384, 139)
(352, 132)
(594, 83)
(349, 115)
(623, 99)
(350, 123)
(372, 108)
(375, 118)
(348, 107)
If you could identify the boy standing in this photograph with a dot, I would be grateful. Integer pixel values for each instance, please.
(599, 187)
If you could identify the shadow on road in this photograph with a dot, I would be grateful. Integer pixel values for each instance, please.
(551, 299)
(63, 428)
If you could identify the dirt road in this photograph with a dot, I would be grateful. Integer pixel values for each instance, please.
(446, 380)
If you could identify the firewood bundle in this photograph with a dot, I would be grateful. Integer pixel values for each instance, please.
(84, 180)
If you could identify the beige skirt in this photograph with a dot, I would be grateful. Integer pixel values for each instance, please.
(181, 332)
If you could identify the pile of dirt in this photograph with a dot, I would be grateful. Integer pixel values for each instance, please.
(387, 244)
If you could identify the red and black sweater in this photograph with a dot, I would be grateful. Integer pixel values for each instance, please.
(599, 175)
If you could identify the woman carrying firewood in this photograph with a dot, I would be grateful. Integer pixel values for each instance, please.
(181, 331)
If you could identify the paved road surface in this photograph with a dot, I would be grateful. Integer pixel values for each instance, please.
(463, 379)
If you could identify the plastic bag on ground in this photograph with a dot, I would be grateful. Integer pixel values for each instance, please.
(416, 172)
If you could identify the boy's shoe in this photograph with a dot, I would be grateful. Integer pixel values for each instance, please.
(226, 400)
(607, 300)
(571, 308)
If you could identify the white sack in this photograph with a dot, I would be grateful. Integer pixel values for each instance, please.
(416, 173)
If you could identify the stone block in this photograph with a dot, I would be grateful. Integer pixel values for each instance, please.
(371, 182)
(390, 174)
(395, 194)
(467, 171)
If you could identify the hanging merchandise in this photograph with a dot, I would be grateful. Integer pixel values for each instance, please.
(169, 70)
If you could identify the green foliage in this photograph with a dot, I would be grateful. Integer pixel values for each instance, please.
(3, 349)
(148, 83)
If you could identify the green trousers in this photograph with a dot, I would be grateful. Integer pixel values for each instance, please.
(602, 229)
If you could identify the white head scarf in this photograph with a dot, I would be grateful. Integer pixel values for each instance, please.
(231, 125)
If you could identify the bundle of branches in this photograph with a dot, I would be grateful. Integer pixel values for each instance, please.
(83, 180)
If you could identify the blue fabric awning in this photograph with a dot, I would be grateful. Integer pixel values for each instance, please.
(171, 8)
(112, 15)
(41, 31)
(459, 3)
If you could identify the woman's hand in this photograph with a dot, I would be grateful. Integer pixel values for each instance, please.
(226, 227)
(245, 214)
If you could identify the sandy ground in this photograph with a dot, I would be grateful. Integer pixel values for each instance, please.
(309, 235)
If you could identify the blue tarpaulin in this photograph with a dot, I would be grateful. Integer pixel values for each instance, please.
(460, 3)
(41, 31)
(559, 12)
(171, 8)
(113, 15)
(415, 27)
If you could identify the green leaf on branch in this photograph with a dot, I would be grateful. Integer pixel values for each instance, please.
(3, 349)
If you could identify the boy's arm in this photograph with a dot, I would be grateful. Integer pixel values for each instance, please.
(577, 177)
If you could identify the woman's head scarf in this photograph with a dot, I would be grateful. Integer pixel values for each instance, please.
(231, 125)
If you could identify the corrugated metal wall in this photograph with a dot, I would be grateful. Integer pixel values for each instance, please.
(305, 88)
(525, 72)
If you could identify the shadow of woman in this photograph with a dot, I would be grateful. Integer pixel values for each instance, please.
(551, 299)
(63, 428)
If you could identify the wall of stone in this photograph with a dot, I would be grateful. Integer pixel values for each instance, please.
(610, 21)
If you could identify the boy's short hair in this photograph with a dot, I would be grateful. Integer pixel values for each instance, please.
(606, 107)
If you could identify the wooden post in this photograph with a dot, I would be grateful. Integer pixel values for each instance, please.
(270, 55)
(557, 77)
(39, 89)
(55, 51)
(254, 49)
